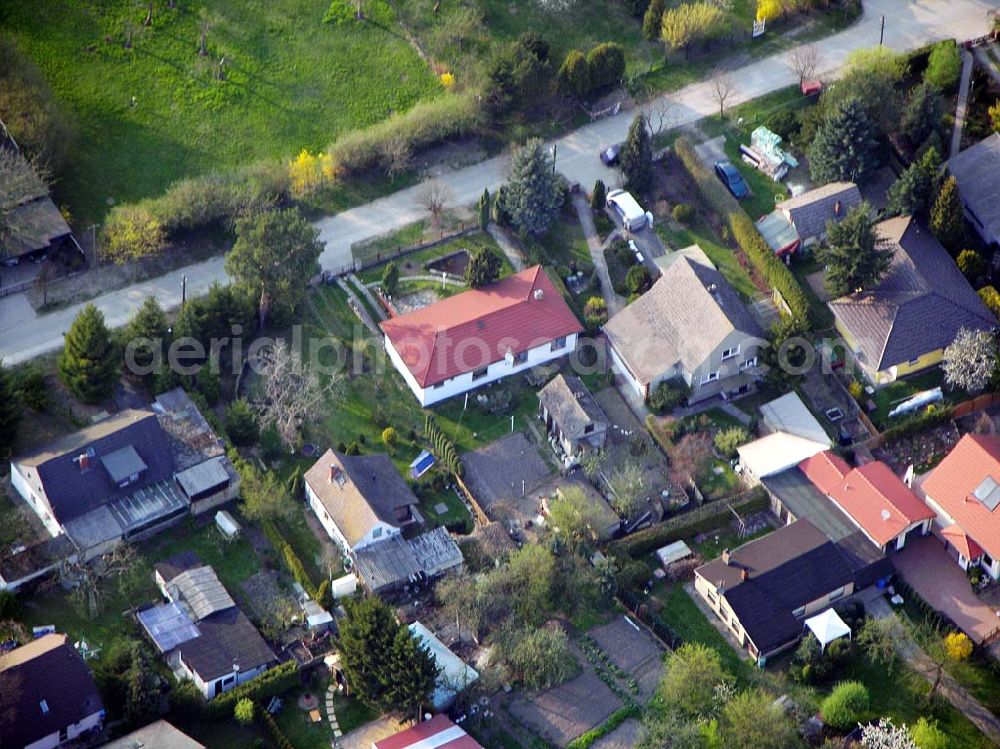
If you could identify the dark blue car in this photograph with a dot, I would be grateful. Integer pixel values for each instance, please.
(732, 179)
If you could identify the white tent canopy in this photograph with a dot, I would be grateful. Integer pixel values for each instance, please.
(828, 626)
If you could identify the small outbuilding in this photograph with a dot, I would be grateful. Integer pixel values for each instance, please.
(227, 524)
(572, 416)
(455, 675)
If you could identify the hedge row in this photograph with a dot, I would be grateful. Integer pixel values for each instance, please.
(771, 268)
(291, 559)
(930, 417)
(280, 739)
(423, 125)
(189, 705)
(619, 716)
(705, 518)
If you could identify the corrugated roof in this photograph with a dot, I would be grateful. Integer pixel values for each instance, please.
(682, 319)
(201, 591)
(454, 335)
(952, 483)
(919, 306)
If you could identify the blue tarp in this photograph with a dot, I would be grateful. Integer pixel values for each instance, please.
(421, 464)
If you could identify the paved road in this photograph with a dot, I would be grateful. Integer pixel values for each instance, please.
(908, 25)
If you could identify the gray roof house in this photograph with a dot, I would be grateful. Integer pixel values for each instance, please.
(126, 477)
(158, 735)
(201, 631)
(690, 325)
(904, 323)
(396, 565)
(801, 220)
(572, 415)
(976, 169)
(359, 499)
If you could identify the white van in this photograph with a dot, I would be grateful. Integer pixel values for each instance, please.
(628, 209)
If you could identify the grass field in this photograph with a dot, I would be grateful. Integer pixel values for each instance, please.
(155, 113)
(700, 233)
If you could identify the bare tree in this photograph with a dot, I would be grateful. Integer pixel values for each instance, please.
(434, 197)
(204, 26)
(805, 60)
(91, 579)
(397, 154)
(723, 85)
(45, 275)
(626, 483)
(659, 114)
(291, 393)
(20, 181)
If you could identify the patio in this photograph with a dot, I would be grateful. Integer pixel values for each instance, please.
(937, 578)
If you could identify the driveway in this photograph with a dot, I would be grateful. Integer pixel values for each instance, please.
(937, 578)
(911, 25)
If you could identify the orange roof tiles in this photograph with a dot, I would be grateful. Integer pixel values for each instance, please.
(872, 495)
(950, 485)
(478, 327)
(961, 541)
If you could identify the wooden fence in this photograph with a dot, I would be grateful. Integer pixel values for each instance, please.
(445, 235)
(480, 514)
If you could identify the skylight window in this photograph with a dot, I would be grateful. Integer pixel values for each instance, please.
(988, 493)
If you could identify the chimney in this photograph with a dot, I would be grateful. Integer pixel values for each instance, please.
(84, 461)
(744, 574)
(539, 294)
(334, 471)
(836, 208)
(726, 557)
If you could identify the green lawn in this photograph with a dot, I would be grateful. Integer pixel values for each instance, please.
(304, 734)
(891, 395)
(455, 517)
(413, 263)
(564, 243)
(699, 232)
(806, 265)
(291, 82)
(764, 191)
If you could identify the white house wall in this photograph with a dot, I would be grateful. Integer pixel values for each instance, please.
(463, 383)
(35, 499)
(379, 531)
(73, 731)
(619, 366)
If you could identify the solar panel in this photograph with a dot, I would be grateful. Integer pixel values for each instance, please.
(168, 625)
(988, 493)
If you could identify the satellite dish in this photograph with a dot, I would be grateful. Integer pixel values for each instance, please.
(886, 515)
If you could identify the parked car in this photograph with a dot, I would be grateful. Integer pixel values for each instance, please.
(732, 179)
(609, 156)
(628, 209)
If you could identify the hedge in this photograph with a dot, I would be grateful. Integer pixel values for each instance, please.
(291, 559)
(280, 739)
(705, 518)
(930, 417)
(278, 680)
(771, 268)
(619, 716)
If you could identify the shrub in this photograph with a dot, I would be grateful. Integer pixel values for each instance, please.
(927, 735)
(574, 75)
(424, 124)
(944, 65)
(958, 646)
(729, 439)
(637, 279)
(599, 197)
(389, 436)
(131, 232)
(241, 423)
(667, 395)
(31, 387)
(774, 272)
(606, 64)
(243, 712)
(595, 312)
(856, 389)
(846, 705)
(682, 213)
(991, 298)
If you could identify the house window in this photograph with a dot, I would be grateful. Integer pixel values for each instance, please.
(228, 680)
(438, 385)
(752, 362)
(480, 373)
(835, 594)
(800, 611)
(558, 343)
(377, 533)
(588, 429)
(710, 377)
(988, 560)
(521, 358)
(711, 597)
(913, 362)
(729, 353)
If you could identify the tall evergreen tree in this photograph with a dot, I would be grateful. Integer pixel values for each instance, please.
(10, 411)
(599, 197)
(146, 337)
(923, 116)
(415, 673)
(484, 209)
(637, 156)
(911, 193)
(534, 194)
(390, 278)
(88, 365)
(367, 636)
(846, 145)
(653, 20)
(855, 255)
(483, 268)
(947, 221)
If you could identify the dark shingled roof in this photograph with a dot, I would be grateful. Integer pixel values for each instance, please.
(788, 568)
(50, 670)
(227, 637)
(919, 306)
(811, 210)
(74, 492)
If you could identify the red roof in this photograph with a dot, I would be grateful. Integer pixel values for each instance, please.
(470, 330)
(437, 733)
(961, 541)
(875, 497)
(825, 470)
(975, 458)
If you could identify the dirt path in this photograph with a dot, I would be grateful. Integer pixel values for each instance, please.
(615, 302)
(948, 688)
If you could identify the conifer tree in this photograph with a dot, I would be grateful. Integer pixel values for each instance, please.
(846, 145)
(10, 411)
(637, 156)
(88, 365)
(947, 221)
(145, 336)
(534, 193)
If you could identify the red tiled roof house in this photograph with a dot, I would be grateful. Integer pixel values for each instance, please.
(964, 490)
(873, 498)
(481, 336)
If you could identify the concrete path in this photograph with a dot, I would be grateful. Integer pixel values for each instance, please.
(448, 280)
(948, 688)
(911, 25)
(372, 301)
(963, 102)
(615, 302)
(358, 307)
(507, 245)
